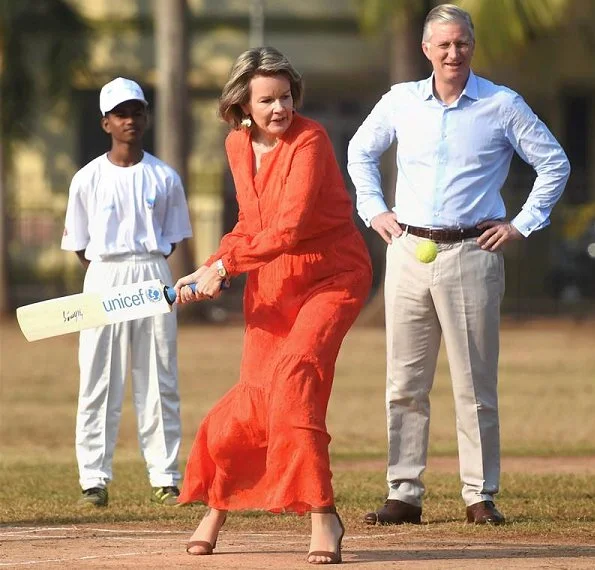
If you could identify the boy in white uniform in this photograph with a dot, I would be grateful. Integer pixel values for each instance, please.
(126, 212)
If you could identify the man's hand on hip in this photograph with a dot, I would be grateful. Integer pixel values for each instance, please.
(496, 234)
(387, 226)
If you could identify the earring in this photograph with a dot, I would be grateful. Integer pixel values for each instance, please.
(246, 122)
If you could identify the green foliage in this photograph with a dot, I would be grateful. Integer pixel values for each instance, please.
(502, 27)
(378, 14)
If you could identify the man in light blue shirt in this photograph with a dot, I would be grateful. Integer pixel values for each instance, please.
(456, 135)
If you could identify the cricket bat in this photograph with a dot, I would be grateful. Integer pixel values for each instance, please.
(95, 309)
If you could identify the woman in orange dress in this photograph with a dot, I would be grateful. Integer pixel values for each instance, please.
(264, 445)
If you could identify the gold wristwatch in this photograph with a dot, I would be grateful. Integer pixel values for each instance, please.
(221, 271)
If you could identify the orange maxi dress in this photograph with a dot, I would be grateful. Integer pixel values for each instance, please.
(264, 445)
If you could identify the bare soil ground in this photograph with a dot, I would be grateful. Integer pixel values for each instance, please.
(132, 547)
(151, 547)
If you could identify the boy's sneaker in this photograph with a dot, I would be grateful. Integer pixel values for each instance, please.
(94, 497)
(165, 495)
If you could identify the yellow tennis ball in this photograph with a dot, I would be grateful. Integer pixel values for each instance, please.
(426, 251)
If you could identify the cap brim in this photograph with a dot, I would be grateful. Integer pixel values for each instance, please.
(145, 103)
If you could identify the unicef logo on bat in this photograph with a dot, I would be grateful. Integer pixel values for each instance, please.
(154, 294)
(132, 298)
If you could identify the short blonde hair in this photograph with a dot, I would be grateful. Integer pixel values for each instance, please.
(447, 14)
(255, 61)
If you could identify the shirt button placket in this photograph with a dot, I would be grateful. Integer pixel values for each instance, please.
(442, 155)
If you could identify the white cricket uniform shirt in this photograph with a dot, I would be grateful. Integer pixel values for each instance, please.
(114, 210)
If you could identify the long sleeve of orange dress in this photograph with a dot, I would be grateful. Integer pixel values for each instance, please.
(264, 445)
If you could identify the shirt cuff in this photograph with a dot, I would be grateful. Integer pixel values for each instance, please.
(71, 245)
(229, 265)
(527, 224)
(374, 207)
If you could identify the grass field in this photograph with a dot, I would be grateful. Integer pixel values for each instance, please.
(547, 396)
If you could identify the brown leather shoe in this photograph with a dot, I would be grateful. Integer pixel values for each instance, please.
(395, 512)
(484, 513)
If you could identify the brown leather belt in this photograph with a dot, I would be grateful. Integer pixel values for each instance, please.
(453, 234)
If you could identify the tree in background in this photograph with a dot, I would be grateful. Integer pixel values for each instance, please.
(32, 74)
(505, 26)
(401, 21)
(172, 115)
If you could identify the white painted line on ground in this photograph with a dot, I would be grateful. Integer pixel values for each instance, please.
(238, 541)
(140, 531)
(43, 537)
(137, 538)
(49, 560)
(20, 530)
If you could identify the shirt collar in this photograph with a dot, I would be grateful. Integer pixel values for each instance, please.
(470, 91)
(426, 88)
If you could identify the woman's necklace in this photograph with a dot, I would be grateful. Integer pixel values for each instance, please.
(260, 149)
(263, 147)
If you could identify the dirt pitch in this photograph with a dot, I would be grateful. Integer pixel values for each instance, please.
(146, 546)
(131, 547)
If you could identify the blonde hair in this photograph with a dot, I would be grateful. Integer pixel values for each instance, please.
(255, 61)
(446, 14)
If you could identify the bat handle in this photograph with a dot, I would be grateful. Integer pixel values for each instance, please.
(170, 292)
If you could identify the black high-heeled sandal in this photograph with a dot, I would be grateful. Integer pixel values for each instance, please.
(335, 557)
(208, 547)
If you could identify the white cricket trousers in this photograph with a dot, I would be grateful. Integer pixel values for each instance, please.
(458, 296)
(103, 361)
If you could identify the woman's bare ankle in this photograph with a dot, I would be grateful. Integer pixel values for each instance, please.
(210, 525)
(326, 530)
(216, 514)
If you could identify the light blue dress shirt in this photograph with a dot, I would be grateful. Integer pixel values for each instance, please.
(453, 159)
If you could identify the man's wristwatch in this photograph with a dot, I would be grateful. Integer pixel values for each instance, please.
(221, 271)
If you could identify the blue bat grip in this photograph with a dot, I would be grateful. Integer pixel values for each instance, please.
(170, 292)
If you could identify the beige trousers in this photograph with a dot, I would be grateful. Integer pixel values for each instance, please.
(458, 295)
